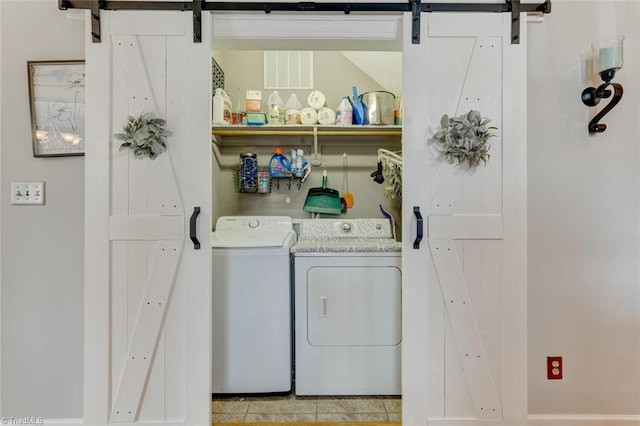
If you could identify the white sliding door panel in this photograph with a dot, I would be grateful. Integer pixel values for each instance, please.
(157, 323)
(461, 354)
(422, 311)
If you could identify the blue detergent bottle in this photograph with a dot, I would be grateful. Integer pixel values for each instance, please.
(279, 165)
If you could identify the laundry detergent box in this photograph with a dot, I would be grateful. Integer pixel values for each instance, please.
(256, 118)
(253, 100)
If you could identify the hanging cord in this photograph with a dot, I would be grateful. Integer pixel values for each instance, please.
(345, 187)
(346, 195)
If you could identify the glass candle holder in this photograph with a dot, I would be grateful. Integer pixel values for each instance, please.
(608, 54)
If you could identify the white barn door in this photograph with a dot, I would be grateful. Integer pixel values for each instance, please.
(464, 287)
(147, 293)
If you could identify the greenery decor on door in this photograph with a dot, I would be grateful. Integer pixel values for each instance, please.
(145, 135)
(465, 138)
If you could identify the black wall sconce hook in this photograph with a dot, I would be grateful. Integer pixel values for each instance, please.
(606, 58)
(591, 97)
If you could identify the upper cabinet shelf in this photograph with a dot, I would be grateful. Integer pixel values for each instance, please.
(373, 137)
(307, 131)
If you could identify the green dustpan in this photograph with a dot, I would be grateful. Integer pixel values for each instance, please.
(323, 200)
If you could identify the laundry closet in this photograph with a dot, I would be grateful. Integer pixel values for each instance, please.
(353, 346)
(349, 154)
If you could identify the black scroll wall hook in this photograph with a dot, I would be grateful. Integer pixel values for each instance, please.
(591, 97)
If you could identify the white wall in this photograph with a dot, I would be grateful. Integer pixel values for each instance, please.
(584, 283)
(42, 246)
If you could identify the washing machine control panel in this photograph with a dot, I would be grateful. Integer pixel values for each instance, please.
(358, 228)
(341, 229)
(254, 223)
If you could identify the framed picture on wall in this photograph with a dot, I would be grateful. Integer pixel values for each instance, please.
(56, 99)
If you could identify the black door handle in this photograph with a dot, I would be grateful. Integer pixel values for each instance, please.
(416, 243)
(192, 228)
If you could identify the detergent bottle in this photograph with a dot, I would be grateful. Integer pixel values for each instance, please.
(221, 108)
(344, 115)
(279, 165)
(294, 162)
(302, 168)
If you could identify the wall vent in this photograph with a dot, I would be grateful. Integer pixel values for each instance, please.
(288, 69)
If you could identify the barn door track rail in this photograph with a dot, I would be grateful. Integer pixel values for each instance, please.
(415, 7)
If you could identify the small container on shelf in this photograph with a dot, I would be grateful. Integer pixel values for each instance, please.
(264, 181)
(253, 101)
(256, 118)
(248, 172)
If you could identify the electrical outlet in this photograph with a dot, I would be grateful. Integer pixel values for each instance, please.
(27, 192)
(554, 367)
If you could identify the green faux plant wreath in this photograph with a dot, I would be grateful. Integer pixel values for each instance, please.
(145, 135)
(465, 138)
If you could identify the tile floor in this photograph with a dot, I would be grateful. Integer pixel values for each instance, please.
(290, 408)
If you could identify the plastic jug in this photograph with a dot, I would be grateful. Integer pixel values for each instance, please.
(292, 111)
(344, 114)
(275, 110)
(221, 108)
(279, 165)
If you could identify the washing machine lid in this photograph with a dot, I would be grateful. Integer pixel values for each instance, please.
(248, 239)
(253, 231)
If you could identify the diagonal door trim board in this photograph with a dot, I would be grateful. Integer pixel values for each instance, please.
(146, 332)
(465, 329)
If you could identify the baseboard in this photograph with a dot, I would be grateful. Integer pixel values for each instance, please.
(532, 420)
(582, 419)
(464, 421)
(544, 420)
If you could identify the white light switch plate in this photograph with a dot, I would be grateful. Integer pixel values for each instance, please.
(27, 192)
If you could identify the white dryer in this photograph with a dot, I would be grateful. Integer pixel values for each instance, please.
(347, 285)
(252, 337)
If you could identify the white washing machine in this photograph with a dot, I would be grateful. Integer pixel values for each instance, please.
(347, 285)
(252, 330)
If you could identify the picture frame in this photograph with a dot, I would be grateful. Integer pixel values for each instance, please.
(56, 101)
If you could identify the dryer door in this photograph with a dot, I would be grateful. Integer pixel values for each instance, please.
(354, 306)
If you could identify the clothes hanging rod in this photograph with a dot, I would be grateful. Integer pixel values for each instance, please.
(414, 6)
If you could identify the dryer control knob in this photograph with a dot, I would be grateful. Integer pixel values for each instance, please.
(347, 227)
(254, 223)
